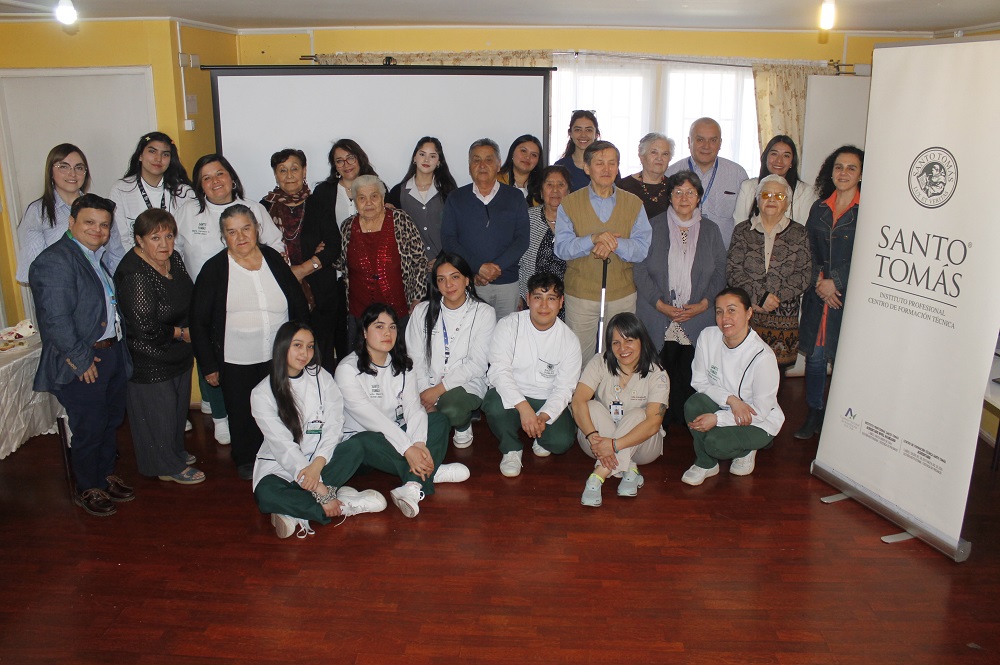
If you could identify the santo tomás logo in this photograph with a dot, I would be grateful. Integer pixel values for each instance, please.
(933, 177)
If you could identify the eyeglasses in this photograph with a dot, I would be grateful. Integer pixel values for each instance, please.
(66, 168)
(684, 193)
(767, 196)
(350, 159)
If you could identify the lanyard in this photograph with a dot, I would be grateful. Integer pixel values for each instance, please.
(101, 273)
(444, 333)
(142, 190)
(461, 325)
(711, 181)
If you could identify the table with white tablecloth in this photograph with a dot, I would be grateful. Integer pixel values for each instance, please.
(23, 412)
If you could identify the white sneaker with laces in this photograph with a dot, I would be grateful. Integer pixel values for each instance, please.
(743, 466)
(697, 475)
(463, 437)
(538, 450)
(303, 529)
(407, 498)
(631, 482)
(353, 502)
(206, 407)
(592, 492)
(284, 526)
(222, 431)
(451, 473)
(510, 464)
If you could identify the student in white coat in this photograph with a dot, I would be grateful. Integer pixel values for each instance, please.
(302, 466)
(735, 411)
(448, 338)
(383, 414)
(534, 366)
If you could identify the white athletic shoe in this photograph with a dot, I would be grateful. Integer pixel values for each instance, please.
(353, 502)
(743, 466)
(407, 498)
(697, 475)
(463, 437)
(206, 407)
(510, 464)
(222, 431)
(451, 473)
(538, 450)
(284, 526)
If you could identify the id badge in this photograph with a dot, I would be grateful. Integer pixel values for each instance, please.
(314, 427)
(399, 414)
(617, 411)
(547, 370)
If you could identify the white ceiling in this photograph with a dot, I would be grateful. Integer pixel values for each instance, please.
(929, 16)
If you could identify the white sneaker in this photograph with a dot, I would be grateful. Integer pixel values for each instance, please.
(451, 473)
(222, 431)
(631, 482)
(592, 492)
(206, 407)
(538, 450)
(510, 464)
(407, 499)
(697, 475)
(283, 525)
(188, 426)
(353, 502)
(463, 437)
(743, 466)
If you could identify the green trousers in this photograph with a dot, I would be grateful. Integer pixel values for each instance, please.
(276, 495)
(379, 453)
(720, 442)
(457, 405)
(506, 425)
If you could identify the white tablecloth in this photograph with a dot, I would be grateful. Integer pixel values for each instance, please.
(23, 412)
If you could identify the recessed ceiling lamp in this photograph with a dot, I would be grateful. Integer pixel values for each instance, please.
(66, 12)
(827, 15)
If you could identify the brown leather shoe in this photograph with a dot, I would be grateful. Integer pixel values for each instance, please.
(118, 491)
(96, 502)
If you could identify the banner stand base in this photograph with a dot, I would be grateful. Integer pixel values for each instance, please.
(834, 498)
(957, 550)
(897, 538)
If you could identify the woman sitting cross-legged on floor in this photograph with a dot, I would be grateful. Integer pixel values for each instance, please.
(619, 405)
(383, 413)
(301, 466)
(735, 411)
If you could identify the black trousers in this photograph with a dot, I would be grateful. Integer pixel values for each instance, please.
(676, 360)
(237, 382)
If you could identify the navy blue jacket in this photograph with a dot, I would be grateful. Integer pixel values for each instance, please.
(497, 233)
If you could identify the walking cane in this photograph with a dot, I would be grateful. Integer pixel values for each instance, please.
(604, 292)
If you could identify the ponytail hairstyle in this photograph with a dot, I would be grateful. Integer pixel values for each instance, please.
(398, 359)
(434, 295)
(288, 410)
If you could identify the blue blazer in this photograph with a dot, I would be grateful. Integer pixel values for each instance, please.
(71, 314)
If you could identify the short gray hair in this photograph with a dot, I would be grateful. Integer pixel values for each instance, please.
(781, 181)
(483, 143)
(232, 211)
(367, 181)
(651, 138)
(705, 121)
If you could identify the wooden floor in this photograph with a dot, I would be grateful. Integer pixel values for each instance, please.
(495, 570)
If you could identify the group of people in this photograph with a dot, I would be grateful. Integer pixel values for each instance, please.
(355, 325)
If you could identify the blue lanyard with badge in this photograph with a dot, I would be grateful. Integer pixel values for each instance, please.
(315, 426)
(711, 181)
(109, 289)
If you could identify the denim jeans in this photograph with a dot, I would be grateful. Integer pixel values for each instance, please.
(816, 377)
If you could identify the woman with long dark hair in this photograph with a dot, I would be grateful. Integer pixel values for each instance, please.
(382, 411)
(618, 407)
(583, 131)
(832, 224)
(423, 190)
(448, 337)
(523, 168)
(780, 157)
(46, 219)
(155, 178)
(302, 466)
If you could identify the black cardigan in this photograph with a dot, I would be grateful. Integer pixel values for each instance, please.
(208, 305)
(320, 224)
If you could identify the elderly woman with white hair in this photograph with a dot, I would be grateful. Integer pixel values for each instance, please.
(769, 258)
(649, 184)
(382, 255)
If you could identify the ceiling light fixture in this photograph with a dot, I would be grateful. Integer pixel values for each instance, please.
(827, 15)
(66, 12)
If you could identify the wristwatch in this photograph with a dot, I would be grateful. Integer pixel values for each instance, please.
(315, 265)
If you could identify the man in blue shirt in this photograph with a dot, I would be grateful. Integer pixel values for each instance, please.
(84, 360)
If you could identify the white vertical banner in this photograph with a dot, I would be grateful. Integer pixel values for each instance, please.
(922, 313)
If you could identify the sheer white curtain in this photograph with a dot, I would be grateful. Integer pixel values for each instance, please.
(632, 96)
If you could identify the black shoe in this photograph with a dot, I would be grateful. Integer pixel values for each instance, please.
(245, 471)
(118, 491)
(96, 502)
(812, 426)
(477, 415)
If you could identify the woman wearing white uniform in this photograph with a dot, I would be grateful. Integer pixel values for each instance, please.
(618, 407)
(382, 412)
(779, 158)
(301, 467)
(735, 411)
(216, 187)
(155, 179)
(448, 338)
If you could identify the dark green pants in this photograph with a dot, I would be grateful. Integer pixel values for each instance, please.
(379, 453)
(720, 442)
(276, 495)
(506, 425)
(457, 405)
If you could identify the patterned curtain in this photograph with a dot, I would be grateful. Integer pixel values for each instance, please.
(781, 98)
(449, 58)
